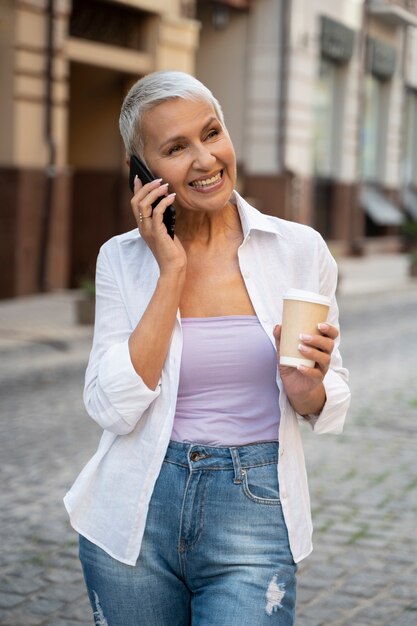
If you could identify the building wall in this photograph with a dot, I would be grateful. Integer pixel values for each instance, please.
(63, 194)
(64, 191)
(218, 54)
(280, 62)
(261, 138)
(28, 183)
(411, 58)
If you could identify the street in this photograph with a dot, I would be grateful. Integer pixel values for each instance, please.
(363, 484)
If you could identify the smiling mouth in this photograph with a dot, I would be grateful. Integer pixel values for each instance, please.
(207, 182)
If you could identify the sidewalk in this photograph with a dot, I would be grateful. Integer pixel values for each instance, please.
(41, 330)
(374, 274)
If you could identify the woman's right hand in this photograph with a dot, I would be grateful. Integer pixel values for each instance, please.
(168, 252)
(150, 340)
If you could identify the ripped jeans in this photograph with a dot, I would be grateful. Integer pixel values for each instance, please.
(215, 550)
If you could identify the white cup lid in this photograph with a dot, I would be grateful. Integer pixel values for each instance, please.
(306, 296)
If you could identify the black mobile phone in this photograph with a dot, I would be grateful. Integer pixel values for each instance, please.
(139, 169)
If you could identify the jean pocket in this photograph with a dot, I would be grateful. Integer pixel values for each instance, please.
(260, 484)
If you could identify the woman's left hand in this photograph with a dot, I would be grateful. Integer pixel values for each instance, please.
(304, 385)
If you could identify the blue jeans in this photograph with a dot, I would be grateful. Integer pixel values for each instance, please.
(215, 550)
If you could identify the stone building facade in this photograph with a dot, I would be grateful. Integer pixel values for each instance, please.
(320, 98)
(65, 66)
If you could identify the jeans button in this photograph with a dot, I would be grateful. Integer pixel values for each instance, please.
(195, 456)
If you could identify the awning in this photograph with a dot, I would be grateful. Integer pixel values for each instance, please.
(392, 13)
(379, 208)
(410, 202)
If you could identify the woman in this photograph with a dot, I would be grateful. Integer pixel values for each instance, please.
(182, 515)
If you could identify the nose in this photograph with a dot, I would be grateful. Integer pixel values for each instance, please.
(203, 158)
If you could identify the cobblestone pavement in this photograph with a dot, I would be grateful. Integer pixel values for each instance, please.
(363, 484)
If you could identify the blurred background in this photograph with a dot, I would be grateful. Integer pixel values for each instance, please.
(320, 97)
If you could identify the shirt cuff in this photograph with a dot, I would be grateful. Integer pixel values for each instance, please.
(332, 417)
(121, 388)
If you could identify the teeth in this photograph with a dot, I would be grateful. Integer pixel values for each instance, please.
(207, 182)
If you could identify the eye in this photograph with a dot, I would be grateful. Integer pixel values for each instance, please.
(213, 133)
(175, 149)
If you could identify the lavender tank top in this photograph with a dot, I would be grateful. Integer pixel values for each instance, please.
(227, 393)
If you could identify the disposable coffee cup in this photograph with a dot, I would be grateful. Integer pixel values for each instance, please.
(302, 311)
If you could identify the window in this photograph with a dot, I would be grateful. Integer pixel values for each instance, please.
(112, 24)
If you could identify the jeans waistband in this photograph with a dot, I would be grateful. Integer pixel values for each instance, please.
(200, 456)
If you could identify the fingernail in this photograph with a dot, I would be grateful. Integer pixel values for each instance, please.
(172, 195)
(323, 327)
(305, 337)
(302, 348)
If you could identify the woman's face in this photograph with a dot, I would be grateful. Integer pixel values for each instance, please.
(187, 146)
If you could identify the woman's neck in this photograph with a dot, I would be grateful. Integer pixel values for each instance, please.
(205, 228)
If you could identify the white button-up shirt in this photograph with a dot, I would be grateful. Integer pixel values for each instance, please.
(108, 502)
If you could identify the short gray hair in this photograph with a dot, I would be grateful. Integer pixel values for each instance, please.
(151, 90)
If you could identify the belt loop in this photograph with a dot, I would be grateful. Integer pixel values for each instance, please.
(234, 452)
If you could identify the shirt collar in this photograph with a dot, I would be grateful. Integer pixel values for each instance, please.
(252, 219)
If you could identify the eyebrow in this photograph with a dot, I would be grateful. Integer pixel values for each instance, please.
(183, 137)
